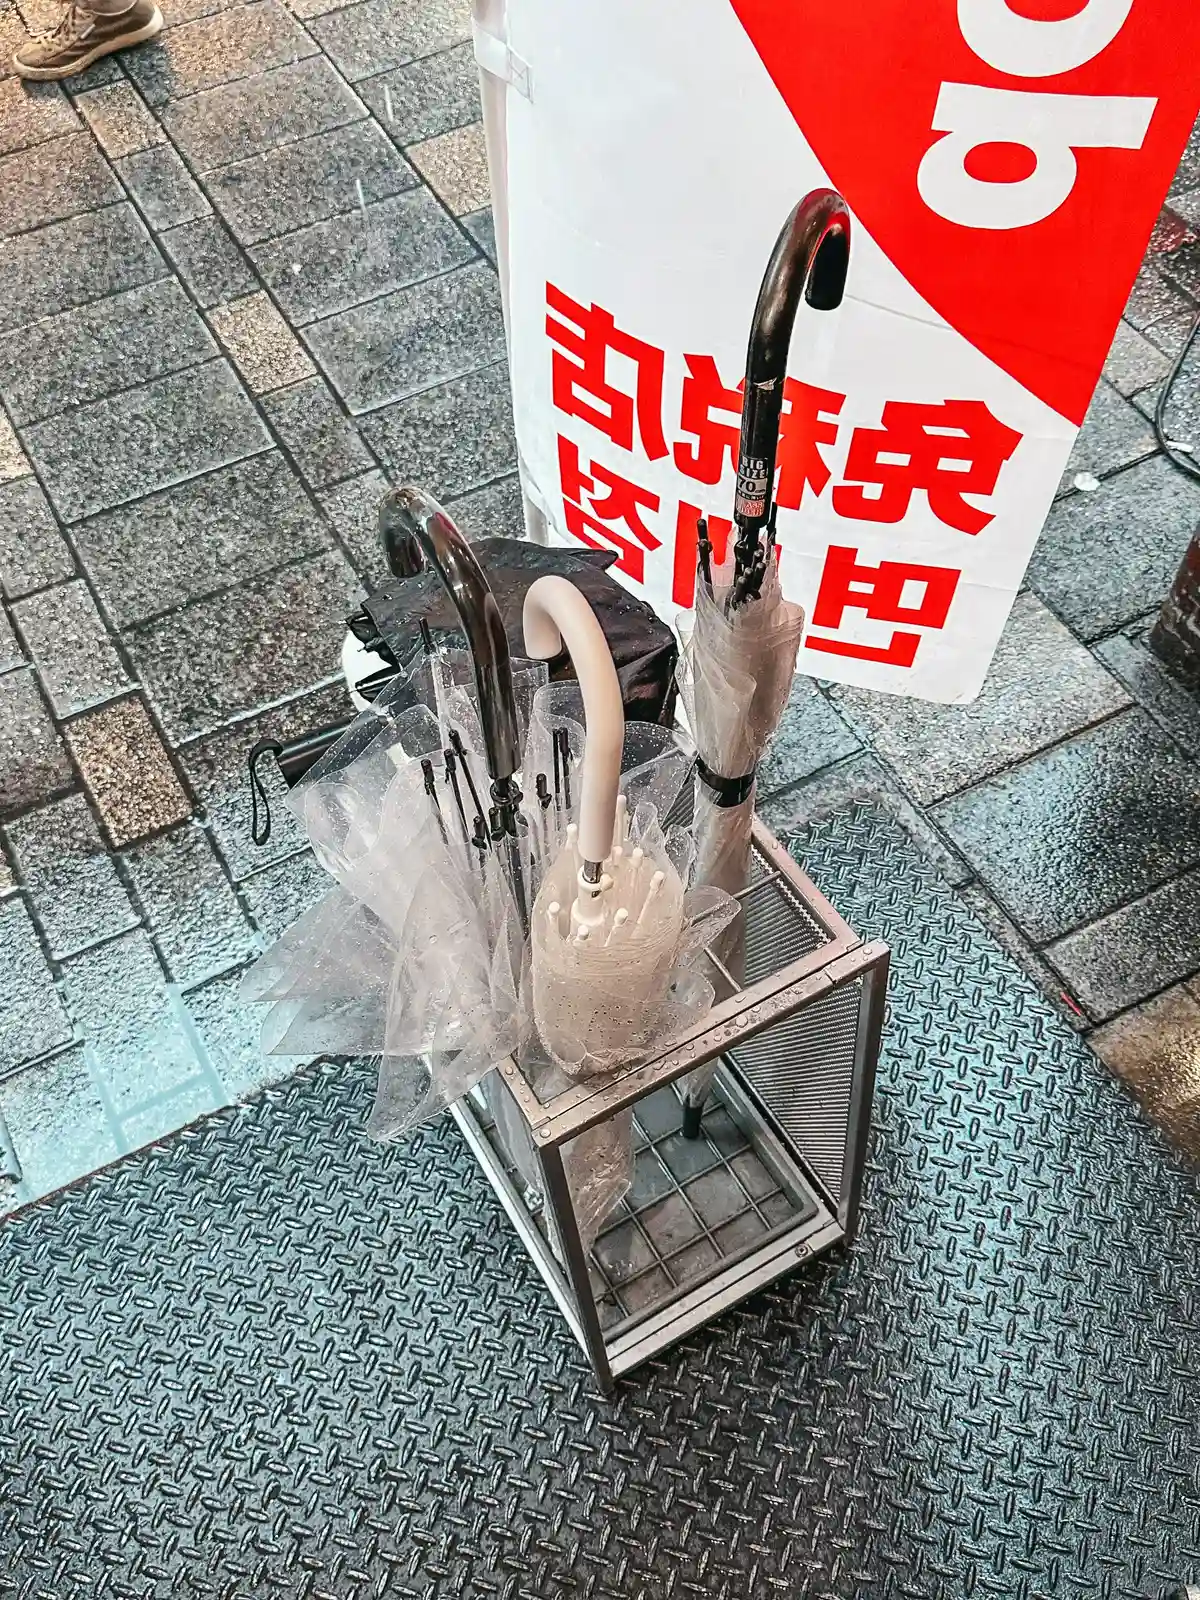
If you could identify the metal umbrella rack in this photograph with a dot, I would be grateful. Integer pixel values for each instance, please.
(526, 927)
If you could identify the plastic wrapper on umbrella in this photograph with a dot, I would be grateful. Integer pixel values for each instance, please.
(416, 955)
(615, 933)
(739, 663)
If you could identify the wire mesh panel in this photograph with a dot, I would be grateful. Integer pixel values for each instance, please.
(802, 1070)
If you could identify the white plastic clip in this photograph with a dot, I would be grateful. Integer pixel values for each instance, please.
(494, 56)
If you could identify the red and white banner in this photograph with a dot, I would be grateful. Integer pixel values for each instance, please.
(1004, 162)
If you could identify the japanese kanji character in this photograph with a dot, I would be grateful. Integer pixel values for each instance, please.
(948, 450)
(879, 591)
(683, 587)
(802, 427)
(716, 442)
(622, 503)
(581, 387)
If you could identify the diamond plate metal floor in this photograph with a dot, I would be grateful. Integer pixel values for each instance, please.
(271, 1358)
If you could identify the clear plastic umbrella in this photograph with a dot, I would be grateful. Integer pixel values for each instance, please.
(740, 660)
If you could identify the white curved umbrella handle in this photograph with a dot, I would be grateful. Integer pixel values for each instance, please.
(555, 614)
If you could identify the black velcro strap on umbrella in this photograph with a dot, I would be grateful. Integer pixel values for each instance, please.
(727, 792)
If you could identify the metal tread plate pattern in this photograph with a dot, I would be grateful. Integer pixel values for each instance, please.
(270, 1358)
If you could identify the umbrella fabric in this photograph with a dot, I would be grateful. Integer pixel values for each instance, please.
(735, 675)
(416, 955)
(642, 646)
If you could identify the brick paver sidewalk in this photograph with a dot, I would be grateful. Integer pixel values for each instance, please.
(245, 282)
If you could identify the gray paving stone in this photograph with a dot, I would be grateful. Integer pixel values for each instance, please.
(413, 339)
(166, 193)
(105, 71)
(1077, 830)
(1187, 174)
(1181, 417)
(321, 442)
(33, 763)
(193, 912)
(136, 1034)
(146, 439)
(263, 348)
(120, 119)
(427, 97)
(810, 736)
(194, 1099)
(34, 1018)
(304, 9)
(11, 653)
(55, 268)
(31, 113)
(1010, 938)
(365, 39)
(127, 771)
(75, 657)
(1114, 435)
(238, 651)
(216, 769)
(1135, 951)
(451, 438)
(218, 49)
(356, 257)
(14, 463)
(175, 12)
(148, 558)
(353, 509)
(95, 350)
(1170, 334)
(1153, 299)
(1042, 686)
(1173, 706)
(481, 225)
(455, 167)
(496, 508)
(310, 180)
(1154, 1050)
(860, 780)
(208, 261)
(230, 1031)
(1133, 361)
(284, 892)
(1181, 269)
(1106, 557)
(1185, 203)
(71, 879)
(33, 553)
(244, 119)
(53, 181)
(58, 1124)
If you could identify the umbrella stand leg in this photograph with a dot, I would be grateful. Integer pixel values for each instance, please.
(562, 1211)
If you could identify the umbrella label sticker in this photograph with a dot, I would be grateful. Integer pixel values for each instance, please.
(753, 483)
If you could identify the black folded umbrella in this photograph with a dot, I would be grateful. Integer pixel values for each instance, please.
(644, 649)
(411, 614)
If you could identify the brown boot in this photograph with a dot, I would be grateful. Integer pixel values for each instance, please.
(82, 37)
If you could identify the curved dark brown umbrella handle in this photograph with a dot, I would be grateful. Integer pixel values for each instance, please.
(810, 261)
(415, 515)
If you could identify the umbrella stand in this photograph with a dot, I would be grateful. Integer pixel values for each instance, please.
(775, 1176)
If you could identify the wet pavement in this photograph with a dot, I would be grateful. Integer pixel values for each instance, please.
(245, 283)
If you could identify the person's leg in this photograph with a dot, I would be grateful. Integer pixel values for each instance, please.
(84, 34)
